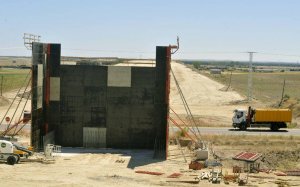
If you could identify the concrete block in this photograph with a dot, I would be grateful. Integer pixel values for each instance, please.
(40, 75)
(143, 77)
(201, 154)
(118, 76)
(95, 76)
(54, 88)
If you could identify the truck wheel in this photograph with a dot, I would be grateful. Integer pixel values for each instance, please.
(18, 158)
(11, 160)
(274, 127)
(243, 127)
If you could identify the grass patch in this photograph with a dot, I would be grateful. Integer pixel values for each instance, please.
(12, 78)
(267, 87)
(256, 141)
(292, 125)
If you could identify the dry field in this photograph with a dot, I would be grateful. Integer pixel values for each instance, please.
(15, 61)
(267, 87)
(11, 79)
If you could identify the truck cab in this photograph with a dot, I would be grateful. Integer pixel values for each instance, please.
(239, 118)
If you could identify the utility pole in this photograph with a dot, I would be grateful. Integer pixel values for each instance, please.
(250, 76)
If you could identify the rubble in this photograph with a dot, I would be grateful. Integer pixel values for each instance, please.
(174, 175)
(196, 165)
(292, 172)
(149, 172)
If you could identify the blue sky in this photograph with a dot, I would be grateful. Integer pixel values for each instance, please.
(208, 29)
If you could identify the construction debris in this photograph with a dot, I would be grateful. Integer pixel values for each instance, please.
(243, 180)
(265, 170)
(212, 163)
(280, 173)
(149, 172)
(196, 165)
(216, 175)
(260, 177)
(174, 175)
(201, 154)
(230, 178)
(190, 181)
(292, 173)
(205, 175)
(282, 183)
(120, 161)
(51, 150)
(236, 170)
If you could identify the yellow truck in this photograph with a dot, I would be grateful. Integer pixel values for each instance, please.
(272, 118)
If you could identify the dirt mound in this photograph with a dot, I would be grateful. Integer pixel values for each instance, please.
(283, 159)
(291, 103)
(294, 105)
(4, 101)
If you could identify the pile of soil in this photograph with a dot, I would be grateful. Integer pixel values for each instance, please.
(292, 104)
(281, 159)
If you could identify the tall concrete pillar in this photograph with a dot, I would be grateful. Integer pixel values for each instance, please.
(163, 60)
(45, 91)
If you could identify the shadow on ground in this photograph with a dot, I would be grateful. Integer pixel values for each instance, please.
(137, 157)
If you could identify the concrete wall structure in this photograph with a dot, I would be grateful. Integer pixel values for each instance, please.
(126, 106)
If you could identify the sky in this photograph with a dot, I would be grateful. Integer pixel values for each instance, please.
(208, 29)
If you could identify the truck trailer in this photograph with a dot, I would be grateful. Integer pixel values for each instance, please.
(272, 118)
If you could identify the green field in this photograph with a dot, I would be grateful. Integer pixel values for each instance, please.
(267, 87)
(11, 79)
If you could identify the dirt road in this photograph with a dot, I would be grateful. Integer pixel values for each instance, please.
(213, 106)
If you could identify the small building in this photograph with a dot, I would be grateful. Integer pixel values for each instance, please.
(249, 160)
(215, 71)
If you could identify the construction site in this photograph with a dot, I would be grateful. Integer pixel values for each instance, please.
(140, 122)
